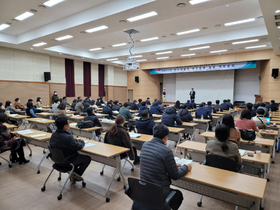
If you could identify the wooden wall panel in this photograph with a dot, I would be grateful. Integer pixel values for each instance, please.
(7, 92)
(110, 93)
(79, 91)
(94, 92)
(120, 94)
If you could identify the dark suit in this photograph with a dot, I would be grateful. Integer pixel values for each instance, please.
(192, 94)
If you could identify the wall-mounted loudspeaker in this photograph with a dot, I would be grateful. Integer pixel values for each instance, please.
(137, 79)
(47, 76)
(275, 73)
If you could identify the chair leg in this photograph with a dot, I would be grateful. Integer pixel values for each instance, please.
(10, 165)
(199, 203)
(70, 173)
(27, 144)
(43, 188)
(102, 172)
(236, 207)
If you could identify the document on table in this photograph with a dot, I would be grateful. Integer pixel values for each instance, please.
(25, 132)
(182, 161)
(242, 152)
(134, 135)
(88, 144)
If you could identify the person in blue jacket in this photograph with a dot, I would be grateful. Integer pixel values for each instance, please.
(155, 108)
(145, 124)
(148, 101)
(170, 117)
(133, 106)
(193, 104)
(188, 104)
(144, 107)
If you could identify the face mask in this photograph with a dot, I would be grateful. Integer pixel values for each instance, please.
(55, 94)
(3, 107)
(19, 101)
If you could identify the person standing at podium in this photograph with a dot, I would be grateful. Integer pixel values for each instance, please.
(192, 94)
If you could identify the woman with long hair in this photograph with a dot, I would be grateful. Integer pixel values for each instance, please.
(234, 134)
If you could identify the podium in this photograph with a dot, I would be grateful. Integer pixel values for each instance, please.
(258, 98)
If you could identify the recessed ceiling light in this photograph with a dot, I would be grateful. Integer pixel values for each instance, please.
(112, 59)
(118, 45)
(141, 60)
(162, 58)
(188, 32)
(24, 16)
(166, 52)
(193, 2)
(39, 44)
(252, 47)
(218, 51)
(140, 17)
(94, 49)
(63, 38)
(278, 27)
(198, 48)
(4, 26)
(149, 39)
(136, 56)
(31, 48)
(99, 28)
(51, 3)
(248, 41)
(240, 22)
(181, 5)
(186, 55)
(277, 11)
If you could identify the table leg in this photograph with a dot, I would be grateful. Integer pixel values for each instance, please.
(192, 137)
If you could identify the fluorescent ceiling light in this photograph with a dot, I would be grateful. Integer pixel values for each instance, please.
(63, 38)
(140, 17)
(278, 27)
(149, 39)
(118, 45)
(277, 11)
(99, 28)
(141, 60)
(51, 3)
(166, 52)
(198, 48)
(248, 41)
(193, 2)
(24, 16)
(218, 51)
(240, 22)
(162, 58)
(39, 44)
(112, 59)
(94, 49)
(185, 55)
(136, 56)
(188, 32)
(4, 26)
(255, 47)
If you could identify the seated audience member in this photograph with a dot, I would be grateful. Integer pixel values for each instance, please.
(139, 103)
(87, 100)
(229, 104)
(177, 104)
(225, 105)
(91, 116)
(255, 107)
(203, 111)
(159, 167)
(98, 102)
(210, 107)
(170, 116)
(155, 108)
(61, 110)
(125, 112)
(65, 101)
(160, 105)
(221, 146)
(272, 106)
(2, 108)
(234, 134)
(29, 110)
(128, 101)
(17, 104)
(155, 100)
(193, 104)
(73, 105)
(55, 105)
(249, 107)
(245, 122)
(262, 106)
(116, 106)
(218, 107)
(145, 124)
(101, 100)
(148, 101)
(79, 106)
(38, 102)
(63, 140)
(86, 104)
(144, 107)
(259, 119)
(117, 135)
(93, 105)
(189, 105)
(108, 110)
(9, 107)
(184, 114)
(133, 106)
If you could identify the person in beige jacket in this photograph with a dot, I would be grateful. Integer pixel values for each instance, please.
(17, 104)
(221, 146)
(61, 110)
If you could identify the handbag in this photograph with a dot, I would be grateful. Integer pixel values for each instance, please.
(85, 124)
(248, 135)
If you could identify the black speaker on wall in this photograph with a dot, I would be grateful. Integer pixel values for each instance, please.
(275, 73)
(47, 76)
(137, 79)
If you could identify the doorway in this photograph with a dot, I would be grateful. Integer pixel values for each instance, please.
(130, 95)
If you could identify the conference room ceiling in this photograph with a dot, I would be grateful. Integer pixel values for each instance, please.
(73, 17)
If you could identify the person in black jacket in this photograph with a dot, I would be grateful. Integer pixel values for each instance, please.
(188, 104)
(193, 104)
(139, 103)
(249, 107)
(133, 106)
(156, 109)
(73, 105)
(229, 104)
(91, 116)
(225, 105)
(98, 102)
(145, 124)
(177, 104)
(170, 116)
(128, 101)
(184, 114)
(70, 146)
(116, 106)
(108, 110)
(272, 106)
(144, 107)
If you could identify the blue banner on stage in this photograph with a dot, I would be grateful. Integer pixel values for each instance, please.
(208, 67)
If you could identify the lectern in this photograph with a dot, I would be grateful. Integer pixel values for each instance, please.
(258, 98)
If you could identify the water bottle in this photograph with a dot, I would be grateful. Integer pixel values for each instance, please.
(202, 117)
(219, 109)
